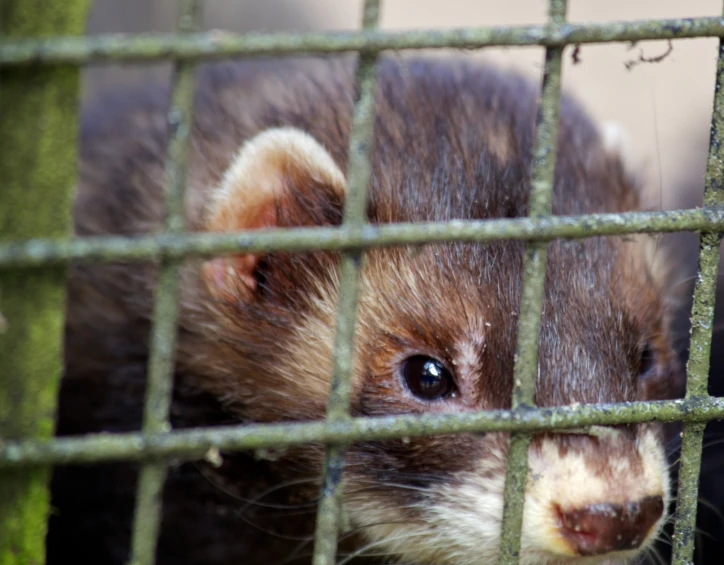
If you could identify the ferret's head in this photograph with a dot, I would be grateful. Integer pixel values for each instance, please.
(437, 329)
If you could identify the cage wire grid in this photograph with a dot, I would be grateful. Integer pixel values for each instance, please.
(156, 443)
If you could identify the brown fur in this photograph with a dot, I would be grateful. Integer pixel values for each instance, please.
(452, 140)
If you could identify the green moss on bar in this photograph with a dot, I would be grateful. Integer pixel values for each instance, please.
(355, 216)
(687, 499)
(702, 320)
(147, 513)
(39, 131)
(159, 385)
(38, 252)
(702, 323)
(329, 507)
(531, 301)
(220, 44)
(702, 315)
(194, 444)
(526, 372)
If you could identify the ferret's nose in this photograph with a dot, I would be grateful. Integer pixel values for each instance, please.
(602, 528)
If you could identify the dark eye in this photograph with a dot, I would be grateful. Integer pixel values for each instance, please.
(427, 378)
(647, 361)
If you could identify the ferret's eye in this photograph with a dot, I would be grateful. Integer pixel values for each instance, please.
(427, 378)
(647, 361)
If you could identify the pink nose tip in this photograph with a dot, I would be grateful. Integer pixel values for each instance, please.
(602, 528)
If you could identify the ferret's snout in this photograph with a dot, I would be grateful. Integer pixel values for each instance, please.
(598, 529)
(589, 497)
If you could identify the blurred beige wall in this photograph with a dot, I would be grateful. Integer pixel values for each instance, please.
(663, 107)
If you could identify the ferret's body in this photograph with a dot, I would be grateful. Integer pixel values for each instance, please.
(452, 141)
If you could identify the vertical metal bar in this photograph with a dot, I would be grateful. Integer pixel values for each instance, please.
(38, 121)
(702, 318)
(355, 216)
(159, 385)
(531, 305)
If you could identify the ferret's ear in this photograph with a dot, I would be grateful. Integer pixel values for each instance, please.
(282, 177)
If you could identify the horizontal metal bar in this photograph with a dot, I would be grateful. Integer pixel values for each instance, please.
(217, 44)
(193, 444)
(33, 253)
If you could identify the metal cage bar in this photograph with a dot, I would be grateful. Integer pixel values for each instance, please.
(194, 444)
(531, 301)
(37, 175)
(41, 252)
(355, 217)
(702, 322)
(220, 44)
(159, 385)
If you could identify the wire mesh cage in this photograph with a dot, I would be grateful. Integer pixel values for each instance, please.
(37, 251)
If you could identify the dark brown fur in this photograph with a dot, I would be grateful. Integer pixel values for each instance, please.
(452, 140)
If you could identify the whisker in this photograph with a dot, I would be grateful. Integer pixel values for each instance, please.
(271, 533)
(704, 533)
(357, 529)
(296, 553)
(707, 467)
(655, 552)
(343, 537)
(713, 507)
(664, 536)
(364, 548)
(378, 486)
(255, 501)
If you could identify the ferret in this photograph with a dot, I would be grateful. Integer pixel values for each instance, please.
(436, 330)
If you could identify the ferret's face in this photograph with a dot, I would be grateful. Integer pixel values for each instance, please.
(437, 330)
(598, 494)
(437, 334)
